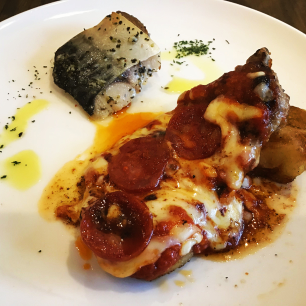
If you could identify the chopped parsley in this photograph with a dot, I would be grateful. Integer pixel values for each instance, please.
(177, 62)
(196, 47)
(16, 163)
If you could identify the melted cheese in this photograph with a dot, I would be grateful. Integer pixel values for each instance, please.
(254, 75)
(264, 92)
(233, 152)
(185, 196)
(189, 186)
(180, 234)
(148, 256)
(189, 243)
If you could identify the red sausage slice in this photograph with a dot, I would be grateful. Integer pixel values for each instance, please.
(140, 164)
(117, 227)
(193, 137)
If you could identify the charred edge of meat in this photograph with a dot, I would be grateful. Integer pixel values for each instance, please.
(135, 21)
(261, 55)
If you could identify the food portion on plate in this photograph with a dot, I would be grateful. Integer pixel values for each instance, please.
(105, 66)
(283, 158)
(179, 186)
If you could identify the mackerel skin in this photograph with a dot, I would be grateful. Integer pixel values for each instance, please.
(92, 60)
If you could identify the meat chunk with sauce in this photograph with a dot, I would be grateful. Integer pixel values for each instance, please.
(227, 121)
(174, 188)
(283, 158)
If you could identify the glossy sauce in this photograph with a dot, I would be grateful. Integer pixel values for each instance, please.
(187, 274)
(281, 198)
(83, 250)
(86, 266)
(23, 170)
(62, 189)
(179, 84)
(180, 283)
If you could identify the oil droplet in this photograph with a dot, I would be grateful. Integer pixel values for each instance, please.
(180, 283)
(206, 65)
(23, 170)
(163, 285)
(179, 84)
(281, 284)
(168, 55)
(267, 296)
(20, 121)
(83, 250)
(122, 125)
(87, 266)
(187, 274)
(62, 189)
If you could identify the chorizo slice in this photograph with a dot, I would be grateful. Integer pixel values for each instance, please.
(140, 164)
(191, 136)
(117, 227)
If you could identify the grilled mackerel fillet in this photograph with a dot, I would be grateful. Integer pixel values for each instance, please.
(105, 66)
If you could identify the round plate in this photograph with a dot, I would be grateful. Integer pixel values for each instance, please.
(55, 275)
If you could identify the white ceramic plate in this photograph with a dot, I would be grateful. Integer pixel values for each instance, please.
(55, 276)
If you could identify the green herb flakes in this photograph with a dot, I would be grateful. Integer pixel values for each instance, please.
(196, 47)
(16, 163)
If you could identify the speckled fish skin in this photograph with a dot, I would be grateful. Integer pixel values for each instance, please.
(95, 58)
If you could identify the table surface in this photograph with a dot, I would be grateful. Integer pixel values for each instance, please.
(292, 12)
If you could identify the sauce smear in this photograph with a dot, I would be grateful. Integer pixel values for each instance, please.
(281, 198)
(62, 189)
(83, 250)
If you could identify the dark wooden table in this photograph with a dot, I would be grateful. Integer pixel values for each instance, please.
(292, 12)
